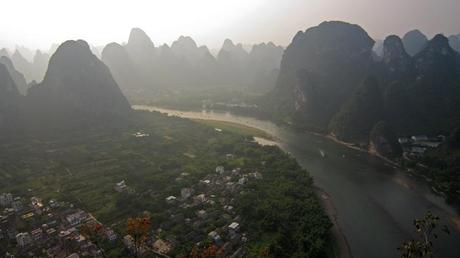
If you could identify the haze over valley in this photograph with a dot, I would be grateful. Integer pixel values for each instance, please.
(230, 129)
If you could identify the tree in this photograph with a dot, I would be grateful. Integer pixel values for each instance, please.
(138, 229)
(207, 251)
(423, 245)
(94, 232)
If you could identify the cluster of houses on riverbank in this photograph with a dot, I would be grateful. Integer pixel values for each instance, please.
(415, 146)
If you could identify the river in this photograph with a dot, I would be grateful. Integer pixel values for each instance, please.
(375, 202)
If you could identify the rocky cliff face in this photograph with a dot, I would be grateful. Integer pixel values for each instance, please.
(8, 89)
(320, 70)
(17, 77)
(437, 59)
(77, 86)
(10, 103)
(435, 93)
(360, 113)
(418, 95)
(383, 141)
(330, 81)
(396, 65)
(395, 58)
(383, 94)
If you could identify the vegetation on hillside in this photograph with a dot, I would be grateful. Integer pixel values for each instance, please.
(442, 165)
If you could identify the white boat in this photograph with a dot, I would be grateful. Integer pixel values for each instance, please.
(323, 154)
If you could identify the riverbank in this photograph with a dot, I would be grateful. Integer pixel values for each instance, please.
(367, 192)
(435, 188)
(326, 201)
(354, 147)
(236, 128)
(331, 211)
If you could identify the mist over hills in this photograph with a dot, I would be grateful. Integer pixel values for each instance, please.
(331, 78)
(73, 87)
(184, 64)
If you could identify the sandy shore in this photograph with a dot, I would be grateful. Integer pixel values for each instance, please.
(354, 147)
(339, 236)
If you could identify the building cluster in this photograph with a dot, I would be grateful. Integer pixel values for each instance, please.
(36, 229)
(141, 134)
(204, 213)
(209, 105)
(122, 187)
(415, 146)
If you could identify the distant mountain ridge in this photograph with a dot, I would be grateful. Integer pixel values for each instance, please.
(32, 70)
(186, 65)
(329, 79)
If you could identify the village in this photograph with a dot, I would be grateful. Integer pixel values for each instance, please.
(415, 146)
(201, 214)
(37, 229)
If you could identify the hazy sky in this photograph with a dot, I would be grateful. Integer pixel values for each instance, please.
(38, 23)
